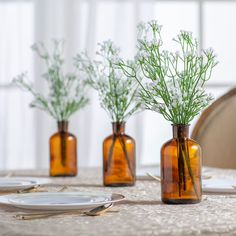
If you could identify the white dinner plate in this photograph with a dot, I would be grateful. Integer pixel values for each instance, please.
(59, 200)
(14, 184)
(216, 185)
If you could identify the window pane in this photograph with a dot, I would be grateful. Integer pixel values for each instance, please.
(116, 21)
(220, 34)
(17, 130)
(16, 30)
(174, 16)
(17, 120)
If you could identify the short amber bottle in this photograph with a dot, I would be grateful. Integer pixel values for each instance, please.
(181, 168)
(119, 158)
(63, 153)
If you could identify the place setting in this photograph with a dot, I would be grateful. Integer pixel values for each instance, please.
(210, 184)
(48, 204)
(25, 194)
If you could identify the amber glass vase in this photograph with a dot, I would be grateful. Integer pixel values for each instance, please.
(119, 158)
(63, 156)
(181, 168)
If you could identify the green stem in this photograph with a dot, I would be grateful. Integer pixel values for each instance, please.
(108, 166)
(63, 148)
(126, 155)
(185, 150)
(183, 166)
(179, 168)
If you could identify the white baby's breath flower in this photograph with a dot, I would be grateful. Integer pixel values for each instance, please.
(209, 52)
(66, 92)
(177, 53)
(155, 26)
(117, 93)
(156, 108)
(188, 54)
(174, 79)
(165, 53)
(186, 33)
(141, 26)
(142, 106)
(141, 55)
(152, 84)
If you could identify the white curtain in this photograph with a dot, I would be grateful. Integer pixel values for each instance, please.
(82, 24)
(24, 133)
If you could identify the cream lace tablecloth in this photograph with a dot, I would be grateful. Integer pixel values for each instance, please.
(141, 214)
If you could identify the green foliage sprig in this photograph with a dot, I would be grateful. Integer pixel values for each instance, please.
(175, 82)
(66, 91)
(117, 93)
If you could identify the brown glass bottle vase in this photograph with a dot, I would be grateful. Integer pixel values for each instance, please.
(119, 158)
(181, 168)
(63, 153)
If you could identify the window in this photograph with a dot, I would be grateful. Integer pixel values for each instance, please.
(24, 132)
(17, 120)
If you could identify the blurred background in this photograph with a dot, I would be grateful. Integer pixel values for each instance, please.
(25, 132)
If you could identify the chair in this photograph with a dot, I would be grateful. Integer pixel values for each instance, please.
(215, 131)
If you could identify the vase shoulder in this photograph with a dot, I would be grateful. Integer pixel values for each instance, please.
(170, 142)
(123, 136)
(170, 149)
(58, 135)
(173, 142)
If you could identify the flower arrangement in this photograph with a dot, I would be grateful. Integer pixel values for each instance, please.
(117, 93)
(66, 91)
(66, 95)
(118, 96)
(174, 85)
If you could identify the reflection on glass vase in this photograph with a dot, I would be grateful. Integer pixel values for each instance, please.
(181, 168)
(63, 153)
(119, 158)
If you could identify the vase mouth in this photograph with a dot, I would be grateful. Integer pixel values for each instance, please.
(180, 125)
(118, 127)
(62, 125)
(118, 122)
(180, 131)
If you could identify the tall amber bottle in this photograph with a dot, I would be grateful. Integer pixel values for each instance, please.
(63, 156)
(119, 158)
(181, 168)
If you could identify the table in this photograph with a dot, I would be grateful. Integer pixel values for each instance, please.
(142, 213)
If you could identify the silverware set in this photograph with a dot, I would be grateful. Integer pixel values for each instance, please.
(97, 211)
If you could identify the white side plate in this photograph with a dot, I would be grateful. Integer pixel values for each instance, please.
(59, 200)
(219, 185)
(14, 184)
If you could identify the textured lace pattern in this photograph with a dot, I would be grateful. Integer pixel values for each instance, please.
(142, 213)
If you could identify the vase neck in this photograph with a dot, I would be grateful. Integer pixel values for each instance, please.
(62, 126)
(180, 131)
(118, 128)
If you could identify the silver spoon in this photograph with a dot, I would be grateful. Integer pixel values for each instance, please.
(40, 215)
